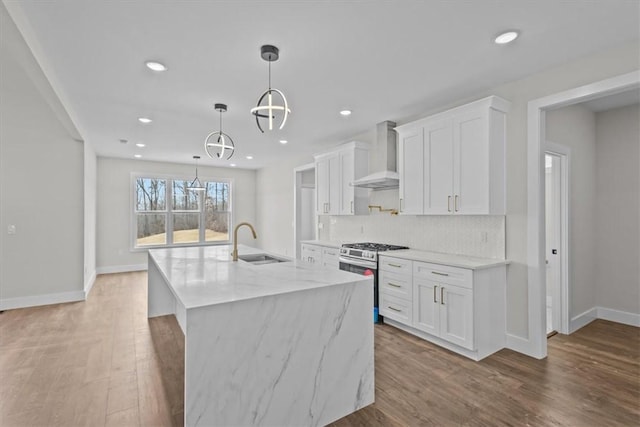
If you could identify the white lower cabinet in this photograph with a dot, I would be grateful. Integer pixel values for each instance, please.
(458, 308)
(317, 254)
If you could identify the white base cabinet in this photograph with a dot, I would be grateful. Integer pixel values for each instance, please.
(318, 254)
(457, 308)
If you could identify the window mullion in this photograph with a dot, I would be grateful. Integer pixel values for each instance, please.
(169, 212)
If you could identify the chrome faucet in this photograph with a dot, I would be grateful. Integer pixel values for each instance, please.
(235, 238)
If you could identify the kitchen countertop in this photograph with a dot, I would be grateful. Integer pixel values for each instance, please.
(205, 275)
(453, 260)
(325, 243)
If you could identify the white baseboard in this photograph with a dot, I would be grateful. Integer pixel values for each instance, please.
(631, 319)
(33, 301)
(121, 268)
(89, 285)
(582, 319)
(519, 344)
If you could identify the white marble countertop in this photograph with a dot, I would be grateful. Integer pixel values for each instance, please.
(325, 243)
(205, 275)
(453, 260)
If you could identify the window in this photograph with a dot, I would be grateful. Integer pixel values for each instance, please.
(189, 218)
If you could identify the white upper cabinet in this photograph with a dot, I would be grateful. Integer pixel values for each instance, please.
(454, 162)
(335, 171)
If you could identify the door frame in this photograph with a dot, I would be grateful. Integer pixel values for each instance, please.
(297, 187)
(564, 153)
(536, 289)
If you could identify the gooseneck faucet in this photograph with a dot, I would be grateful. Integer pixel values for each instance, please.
(235, 238)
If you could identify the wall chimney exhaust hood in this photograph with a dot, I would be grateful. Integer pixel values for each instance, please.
(383, 160)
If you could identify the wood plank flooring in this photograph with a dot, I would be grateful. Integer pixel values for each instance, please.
(102, 362)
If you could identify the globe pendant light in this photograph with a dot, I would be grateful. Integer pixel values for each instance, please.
(196, 185)
(270, 110)
(218, 142)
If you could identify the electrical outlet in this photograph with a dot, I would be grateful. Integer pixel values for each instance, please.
(11, 229)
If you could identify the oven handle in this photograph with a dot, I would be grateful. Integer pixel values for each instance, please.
(359, 263)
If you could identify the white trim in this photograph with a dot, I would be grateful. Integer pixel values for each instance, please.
(36, 300)
(89, 284)
(583, 319)
(535, 194)
(297, 184)
(121, 268)
(631, 319)
(516, 343)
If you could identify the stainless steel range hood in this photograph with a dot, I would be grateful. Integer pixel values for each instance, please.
(383, 160)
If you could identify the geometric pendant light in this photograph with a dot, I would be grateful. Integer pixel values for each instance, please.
(265, 108)
(218, 142)
(196, 185)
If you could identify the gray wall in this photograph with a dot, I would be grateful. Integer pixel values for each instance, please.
(575, 127)
(613, 62)
(41, 185)
(114, 206)
(618, 209)
(90, 201)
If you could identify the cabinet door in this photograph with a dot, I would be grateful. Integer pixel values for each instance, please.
(456, 315)
(334, 185)
(438, 163)
(471, 166)
(347, 172)
(426, 294)
(322, 186)
(311, 253)
(411, 171)
(330, 258)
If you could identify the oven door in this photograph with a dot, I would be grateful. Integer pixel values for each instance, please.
(364, 268)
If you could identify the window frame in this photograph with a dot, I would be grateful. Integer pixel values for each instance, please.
(169, 211)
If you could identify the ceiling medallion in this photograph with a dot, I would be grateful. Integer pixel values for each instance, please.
(270, 111)
(218, 142)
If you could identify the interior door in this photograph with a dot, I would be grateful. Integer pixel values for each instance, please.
(553, 224)
(438, 165)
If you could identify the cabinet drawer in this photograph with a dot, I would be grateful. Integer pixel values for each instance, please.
(397, 285)
(310, 248)
(395, 308)
(330, 254)
(395, 265)
(443, 274)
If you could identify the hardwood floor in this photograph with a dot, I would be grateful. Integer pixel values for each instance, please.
(102, 362)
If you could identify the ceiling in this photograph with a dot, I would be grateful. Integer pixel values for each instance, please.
(384, 60)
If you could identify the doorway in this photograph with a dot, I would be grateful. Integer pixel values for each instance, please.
(304, 196)
(557, 237)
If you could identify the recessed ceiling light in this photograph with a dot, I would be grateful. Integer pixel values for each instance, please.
(283, 141)
(137, 156)
(249, 157)
(139, 144)
(233, 165)
(506, 37)
(155, 66)
(144, 120)
(345, 113)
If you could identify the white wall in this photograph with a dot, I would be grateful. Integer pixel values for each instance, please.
(615, 61)
(618, 209)
(114, 206)
(575, 127)
(41, 185)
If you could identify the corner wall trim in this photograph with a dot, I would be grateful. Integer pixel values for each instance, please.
(89, 284)
(582, 319)
(36, 300)
(121, 268)
(631, 319)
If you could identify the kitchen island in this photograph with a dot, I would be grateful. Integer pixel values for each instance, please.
(282, 343)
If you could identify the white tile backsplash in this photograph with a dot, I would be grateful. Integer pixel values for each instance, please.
(472, 235)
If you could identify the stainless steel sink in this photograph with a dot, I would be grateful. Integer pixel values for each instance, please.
(259, 259)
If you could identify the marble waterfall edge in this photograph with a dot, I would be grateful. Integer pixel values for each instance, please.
(301, 358)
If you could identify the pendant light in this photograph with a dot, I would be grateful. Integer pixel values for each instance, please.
(269, 111)
(218, 142)
(196, 185)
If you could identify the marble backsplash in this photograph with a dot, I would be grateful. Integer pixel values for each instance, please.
(472, 235)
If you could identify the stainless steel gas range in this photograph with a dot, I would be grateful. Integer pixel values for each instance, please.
(362, 258)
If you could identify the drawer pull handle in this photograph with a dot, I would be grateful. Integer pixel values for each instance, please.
(395, 265)
(441, 295)
(434, 294)
(394, 285)
(394, 309)
(439, 274)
